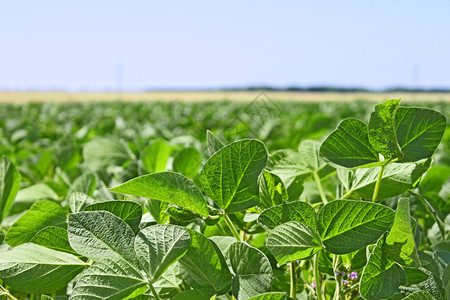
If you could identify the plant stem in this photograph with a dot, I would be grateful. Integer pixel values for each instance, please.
(338, 283)
(317, 276)
(293, 290)
(347, 194)
(155, 294)
(6, 293)
(319, 186)
(377, 185)
(231, 226)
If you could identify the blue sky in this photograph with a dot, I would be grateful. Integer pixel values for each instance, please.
(98, 45)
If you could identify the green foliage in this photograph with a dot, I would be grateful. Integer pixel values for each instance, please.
(252, 269)
(252, 223)
(238, 166)
(9, 185)
(168, 187)
(347, 225)
(293, 241)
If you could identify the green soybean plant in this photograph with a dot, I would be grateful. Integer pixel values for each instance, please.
(353, 216)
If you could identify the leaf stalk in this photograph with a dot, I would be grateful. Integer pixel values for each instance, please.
(293, 290)
(378, 184)
(319, 187)
(317, 276)
(232, 228)
(155, 294)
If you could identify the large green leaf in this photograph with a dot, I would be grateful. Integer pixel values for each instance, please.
(382, 135)
(298, 211)
(349, 145)
(252, 269)
(381, 277)
(347, 225)
(9, 185)
(42, 214)
(155, 156)
(230, 176)
(419, 295)
(419, 132)
(397, 178)
(168, 187)
(35, 269)
(102, 152)
(400, 245)
(271, 190)
(159, 246)
(187, 162)
(55, 238)
(129, 211)
(193, 294)
(110, 279)
(205, 265)
(100, 235)
(293, 241)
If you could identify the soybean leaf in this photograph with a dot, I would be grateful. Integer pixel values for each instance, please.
(41, 215)
(205, 266)
(213, 143)
(419, 132)
(155, 156)
(230, 176)
(348, 145)
(347, 225)
(55, 238)
(109, 279)
(271, 190)
(9, 185)
(77, 201)
(287, 164)
(169, 187)
(253, 273)
(129, 211)
(158, 210)
(298, 211)
(400, 245)
(309, 155)
(271, 296)
(187, 162)
(397, 178)
(102, 152)
(382, 135)
(293, 241)
(381, 277)
(85, 184)
(35, 269)
(159, 246)
(100, 234)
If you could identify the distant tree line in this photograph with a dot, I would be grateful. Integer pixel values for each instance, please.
(339, 89)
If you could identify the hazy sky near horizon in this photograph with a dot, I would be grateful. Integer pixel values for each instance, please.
(135, 45)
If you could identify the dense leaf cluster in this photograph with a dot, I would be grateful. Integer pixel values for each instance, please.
(361, 213)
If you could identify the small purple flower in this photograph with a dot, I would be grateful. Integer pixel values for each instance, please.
(343, 273)
(354, 275)
(345, 282)
(313, 285)
(337, 274)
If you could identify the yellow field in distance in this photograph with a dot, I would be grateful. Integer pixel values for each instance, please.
(206, 96)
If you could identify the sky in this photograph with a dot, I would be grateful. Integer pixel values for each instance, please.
(139, 45)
